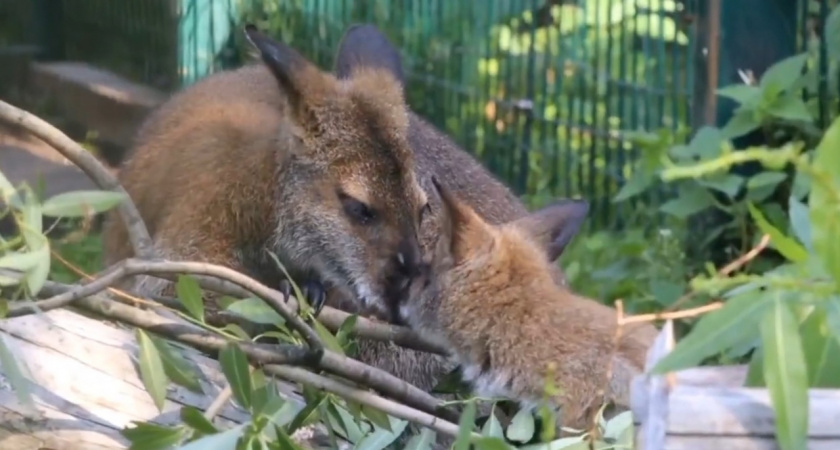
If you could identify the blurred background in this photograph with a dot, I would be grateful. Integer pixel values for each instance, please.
(559, 98)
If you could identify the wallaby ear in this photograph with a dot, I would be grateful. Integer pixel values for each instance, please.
(364, 45)
(462, 230)
(555, 225)
(292, 70)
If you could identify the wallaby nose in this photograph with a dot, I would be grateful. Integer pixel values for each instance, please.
(408, 258)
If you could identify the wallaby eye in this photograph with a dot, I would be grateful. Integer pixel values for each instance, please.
(425, 210)
(356, 210)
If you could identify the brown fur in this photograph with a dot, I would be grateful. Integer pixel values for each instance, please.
(490, 297)
(271, 157)
(364, 47)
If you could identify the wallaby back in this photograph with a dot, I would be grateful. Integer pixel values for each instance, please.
(280, 157)
(489, 296)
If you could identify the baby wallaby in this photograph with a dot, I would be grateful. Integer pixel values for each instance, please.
(488, 295)
(280, 157)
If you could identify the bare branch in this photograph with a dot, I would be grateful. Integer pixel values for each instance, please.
(141, 242)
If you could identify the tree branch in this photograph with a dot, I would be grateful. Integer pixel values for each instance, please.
(141, 242)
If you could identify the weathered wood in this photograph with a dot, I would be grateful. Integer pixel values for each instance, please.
(708, 408)
(87, 387)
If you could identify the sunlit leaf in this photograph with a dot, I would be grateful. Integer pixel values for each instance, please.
(151, 369)
(256, 311)
(788, 247)
(81, 203)
(786, 375)
(716, 331)
(465, 427)
(226, 440)
(195, 419)
(176, 366)
(492, 427)
(821, 350)
(521, 428)
(824, 201)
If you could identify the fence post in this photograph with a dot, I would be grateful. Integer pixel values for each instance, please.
(205, 35)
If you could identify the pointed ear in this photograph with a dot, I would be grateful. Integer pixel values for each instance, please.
(364, 45)
(292, 70)
(555, 225)
(462, 230)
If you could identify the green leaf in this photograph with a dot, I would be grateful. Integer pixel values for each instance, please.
(148, 436)
(14, 374)
(716, 331)
(151, 369)
(521, 428)
(7, 189)
(346, 329)
(764, 179)
(235, 367)
(492, 443)
(707, 142)
(329, 339)
(800, 222)
(832, 34)
(176, 367)
(635, 186)
(741, 123)
(226, 440)
(382, 437)
(422, 440)
(492, 428)
(741, 93)
(37, 275)
(790, 107)
(354, 430)
(727, 183)
(788, 247)
(189, 292)
(832, 310)
(781, 75)
(822, 353)
(465, 427)
(786, 375)
(801, 185)
(692, 200)
(195, 419)
(256, 311)
(566, 443)
(825, 201)
(755, 369)
(309, 412)
(376, 416)
(81, 203)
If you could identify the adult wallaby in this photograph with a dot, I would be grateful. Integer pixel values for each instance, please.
(488, 295)
(280, 157)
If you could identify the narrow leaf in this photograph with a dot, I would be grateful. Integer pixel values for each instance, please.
(786, 375)
(382, 437)
(824, 201)
(422, 440)
(149, 436)
(235, 367)
(189, 292)
(151, 369)
(822, 354)
(226, 440)
(176, 366)
(256, 311)
(788, 247)
(800, 222)
(465, 427)
(81, 203)
(716, 331)
(195, 419)
(492, 443)
(376, 416)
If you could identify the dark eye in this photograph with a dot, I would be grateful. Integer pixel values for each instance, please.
(424, 211)
(356, 210)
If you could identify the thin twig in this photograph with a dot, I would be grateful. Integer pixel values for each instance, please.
(727, 270)
(141, 242)
(366, 398)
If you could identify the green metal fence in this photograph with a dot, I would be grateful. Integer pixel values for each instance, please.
(541, 90)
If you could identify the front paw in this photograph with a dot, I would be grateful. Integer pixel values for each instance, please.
(313, 291)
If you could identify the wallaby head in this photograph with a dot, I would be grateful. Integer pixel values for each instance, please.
(349, 201)
(468, 246)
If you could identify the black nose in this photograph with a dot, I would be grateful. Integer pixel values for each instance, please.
(408, 258)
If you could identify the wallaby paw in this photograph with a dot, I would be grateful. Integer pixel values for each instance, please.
(312, 291)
